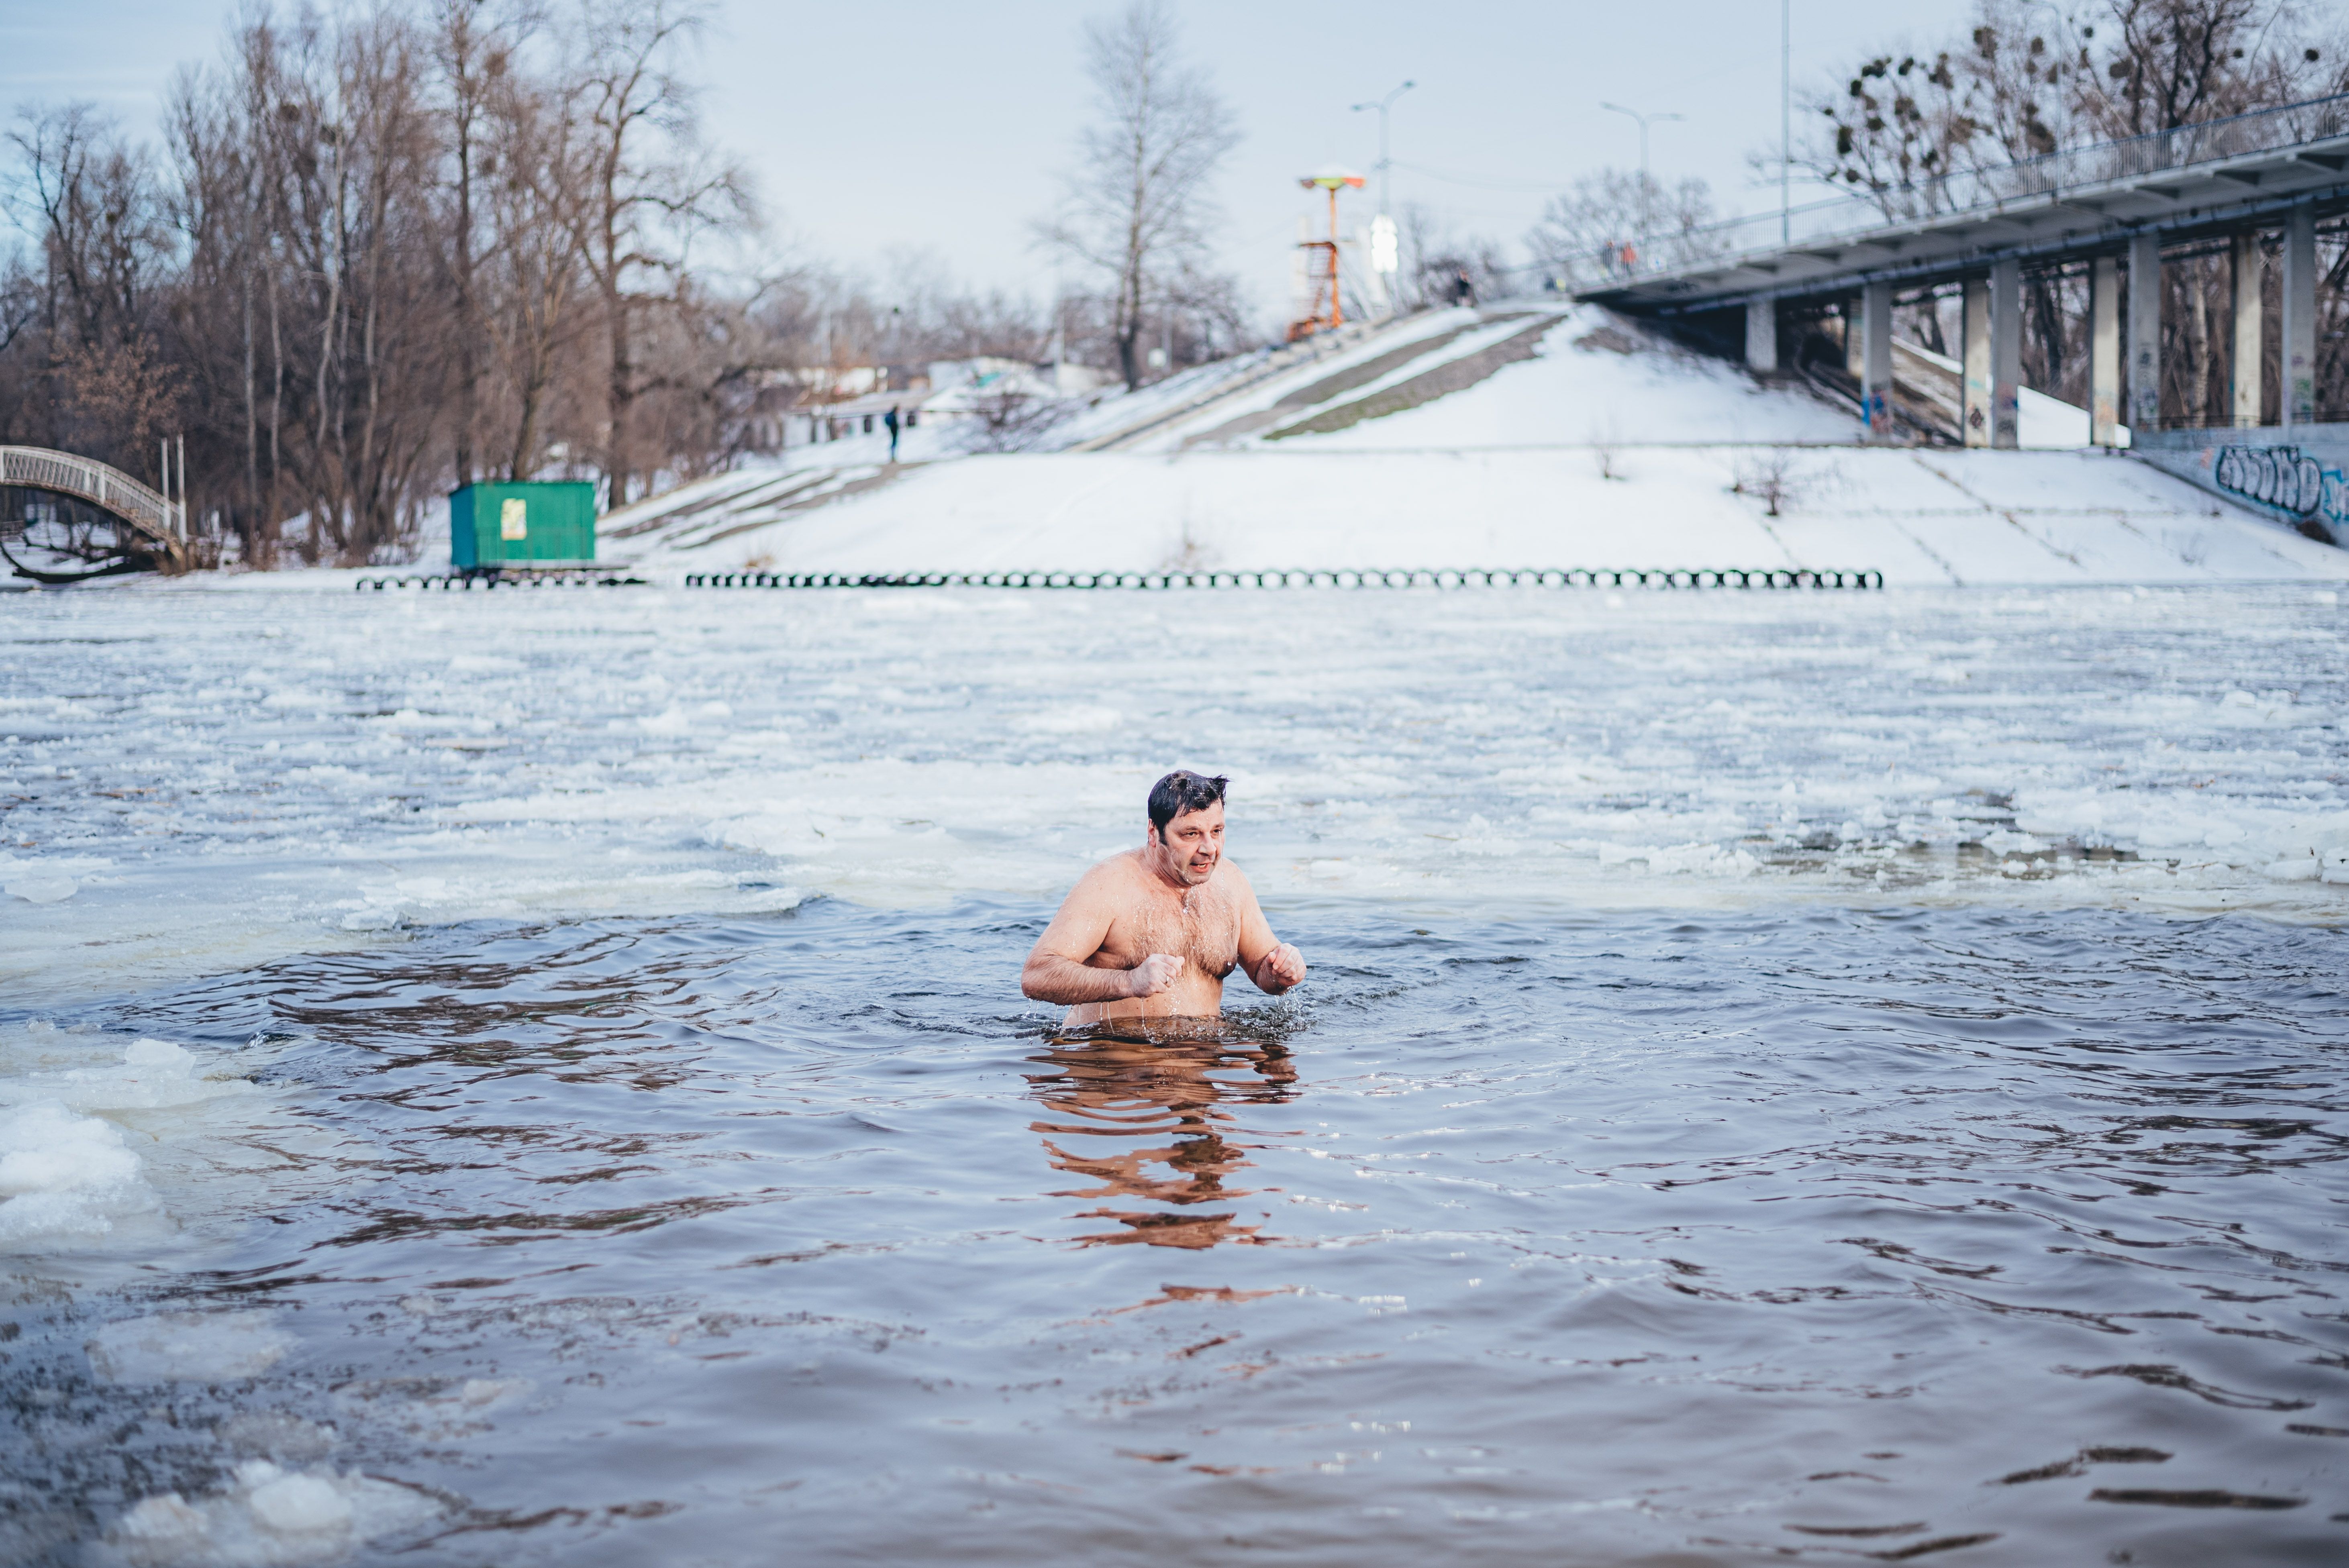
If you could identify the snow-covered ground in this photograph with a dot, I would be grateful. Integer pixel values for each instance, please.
(1527, 437)
(1921, 518)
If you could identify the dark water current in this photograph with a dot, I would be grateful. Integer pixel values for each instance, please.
(1976, 1237)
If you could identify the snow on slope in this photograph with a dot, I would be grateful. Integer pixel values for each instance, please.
(1406, 349)
(1608, 446)
(1583, 388)
(1919, 517)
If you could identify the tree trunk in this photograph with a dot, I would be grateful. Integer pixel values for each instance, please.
(620, 399)
(469, 374)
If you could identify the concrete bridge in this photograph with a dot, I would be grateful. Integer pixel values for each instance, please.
(2119, 210)
(72, 497)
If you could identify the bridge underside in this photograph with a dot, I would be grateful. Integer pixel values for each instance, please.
(2260, 209)
(2180, 206)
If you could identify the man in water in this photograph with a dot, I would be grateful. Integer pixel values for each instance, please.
(1152, 933)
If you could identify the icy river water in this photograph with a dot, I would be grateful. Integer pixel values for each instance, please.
(540, 1078)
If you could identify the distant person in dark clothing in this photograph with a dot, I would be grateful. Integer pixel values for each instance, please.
(890, 419)
(1463, 290)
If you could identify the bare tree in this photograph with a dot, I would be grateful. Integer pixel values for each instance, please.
(90, 201)
(649, 190)
(1137, 209)
(1613, 216)
(1771, 477)
(2031, 79)
(1012, 420)
(2177, 61)
(472, 52)
(534, 292)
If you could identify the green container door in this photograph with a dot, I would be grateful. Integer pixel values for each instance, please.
(527, 524)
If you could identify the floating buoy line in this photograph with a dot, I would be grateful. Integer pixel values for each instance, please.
(1778, 577)
(465, 581)
(1471, 577)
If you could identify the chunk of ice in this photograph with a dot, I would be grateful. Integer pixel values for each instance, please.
(188, 1348)
(65, 1177)
(35, 886)
(300, 1505)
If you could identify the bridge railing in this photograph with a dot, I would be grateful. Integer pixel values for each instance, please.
(1965, 190)
(99, 483)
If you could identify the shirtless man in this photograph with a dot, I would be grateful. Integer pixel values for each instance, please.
(1152, 933)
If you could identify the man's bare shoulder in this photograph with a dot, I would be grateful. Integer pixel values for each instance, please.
(1109, 877)
(1239, 886)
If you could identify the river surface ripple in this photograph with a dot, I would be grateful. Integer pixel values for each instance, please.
(1957, 1233)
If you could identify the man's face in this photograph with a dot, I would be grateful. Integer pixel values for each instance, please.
(1191, 844)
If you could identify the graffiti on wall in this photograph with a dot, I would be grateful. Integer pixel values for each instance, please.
(2286, 479)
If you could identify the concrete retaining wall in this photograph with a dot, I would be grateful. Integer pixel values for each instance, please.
(2300, 476)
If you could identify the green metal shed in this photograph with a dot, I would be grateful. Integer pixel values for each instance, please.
(524, 525)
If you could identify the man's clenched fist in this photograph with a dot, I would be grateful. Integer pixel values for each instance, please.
(1154, 975)
(1282, 967)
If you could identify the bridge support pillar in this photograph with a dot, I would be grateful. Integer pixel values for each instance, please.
(1855, 357)
(1973, 348)
(1762, 336)
(2300, 317)
(2145, 333)
(1875, 360)
(2006, 355)
(2105, 351)
(2250, 317)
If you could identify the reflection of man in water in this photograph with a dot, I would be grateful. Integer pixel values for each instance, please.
(1152, 933)
(1151, 1118)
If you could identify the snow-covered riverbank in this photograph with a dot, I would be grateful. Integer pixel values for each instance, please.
(1596, 444)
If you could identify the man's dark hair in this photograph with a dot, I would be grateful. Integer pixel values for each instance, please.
(1180, 791)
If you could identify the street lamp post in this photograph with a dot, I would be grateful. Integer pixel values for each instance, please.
(1382, 105)
(1786, 122)
(1385, 252)
(1645, 120)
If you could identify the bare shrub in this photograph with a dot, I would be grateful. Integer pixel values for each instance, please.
(1012, 421)
(1607, 447)
(1190, 552)
(1772, 479)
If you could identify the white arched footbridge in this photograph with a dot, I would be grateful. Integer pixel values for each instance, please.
(145, 526)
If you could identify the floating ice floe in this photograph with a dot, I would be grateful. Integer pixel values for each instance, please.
(1681, 860)
(67, 1175)
(48, 879)
(188, 1348)
(266, 1517)
(65, 1178)
(87, 1151)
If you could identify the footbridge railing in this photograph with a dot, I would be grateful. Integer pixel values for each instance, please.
(162, 523)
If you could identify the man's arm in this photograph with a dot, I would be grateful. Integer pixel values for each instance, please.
(1055, 970)
(1272, 964)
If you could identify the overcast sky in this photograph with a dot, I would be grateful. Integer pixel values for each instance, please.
(942, 125)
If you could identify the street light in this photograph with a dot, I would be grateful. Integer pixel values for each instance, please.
(1382, 105)
(1786, 122)
(1644, 119)
(1385, 252)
